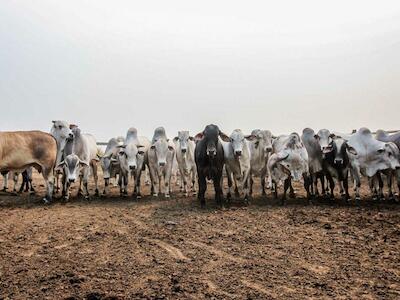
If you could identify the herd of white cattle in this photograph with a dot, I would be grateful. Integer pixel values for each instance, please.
(67, 156)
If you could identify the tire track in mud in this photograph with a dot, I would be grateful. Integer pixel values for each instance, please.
(217, 252)
(259, 288)
(173, 251)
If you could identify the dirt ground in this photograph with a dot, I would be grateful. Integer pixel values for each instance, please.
(153, 248)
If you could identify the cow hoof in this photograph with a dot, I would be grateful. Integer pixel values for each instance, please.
(167, 196)
(229, 196)
(292, 195)
(186, 194)
(138, 196)
(357, 198)
(155, 195)
(46, 201)
(96, 193)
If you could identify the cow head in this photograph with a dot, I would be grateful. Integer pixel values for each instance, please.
(291, 163)
(341, 150)
(210, 136)
(61, 132)
(325, 138)
(183, 139)
(263, 139)
(161, 149)
(237, 141)
(128, 156)
(72, 165)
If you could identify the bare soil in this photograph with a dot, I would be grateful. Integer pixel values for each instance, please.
(153, 248)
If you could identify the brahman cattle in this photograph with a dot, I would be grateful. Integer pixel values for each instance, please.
(209, 158)
(184, 147)
(159, 158)
(131, 160)
(288, 162)
(20, 150)
(237, 163)
(260, 150)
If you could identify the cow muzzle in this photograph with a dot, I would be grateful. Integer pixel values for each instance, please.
(238, 153)
(161, 163)
(268, 149)
(183, 150)
(338, 161)
(71, 180)
(132, 168)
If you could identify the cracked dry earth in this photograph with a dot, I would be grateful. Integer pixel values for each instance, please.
(118, 248)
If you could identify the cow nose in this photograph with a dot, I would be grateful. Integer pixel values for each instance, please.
(269, 149)
(183, 150)
(162, 164)
(238, 153)
(71, 135)
(338, 161)
(71, 180)
(132, 167)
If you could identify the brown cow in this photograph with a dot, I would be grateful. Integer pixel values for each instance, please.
(22, 149)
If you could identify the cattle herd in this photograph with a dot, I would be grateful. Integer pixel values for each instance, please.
(319, 159)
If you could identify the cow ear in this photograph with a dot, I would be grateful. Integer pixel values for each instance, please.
(60, 165)
(72, 126)
(224, 137)
(54, 122)
(332, 135)
(351, 150)
(250, 137)
(199, 136)
(191, 138)
(176, 138)
(83, 163)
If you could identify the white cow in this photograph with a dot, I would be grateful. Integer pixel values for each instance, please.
(131, 160)
(237, 162)
(372, 157)
(260, 150)
(79, 157)
(160, 158)
(288, 162)
(184, 145)
(109, 161)
(62, 132)
(315, 160)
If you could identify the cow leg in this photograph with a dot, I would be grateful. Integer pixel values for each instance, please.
(307, 184)
(15, 179)
(47, 174)
(237, 183)
(229, 177)
(202, 189)
(286, 186)
(95, 177)
(106, 186)
(245, 187)
(194, 181)
(5, 181)
(275, 188)
(389, 179)
(184, 177)
(251, 184)
(372, 187)
(380, 187)
(291, 191)
(167, 183)
(218, 188)
(331, 195)
(85, 179)
(80, 191)
(263, 178)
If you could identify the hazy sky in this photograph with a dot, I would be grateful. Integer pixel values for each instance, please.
(278, 65)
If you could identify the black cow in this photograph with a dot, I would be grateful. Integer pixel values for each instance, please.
(337, 163)
(209, 158)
